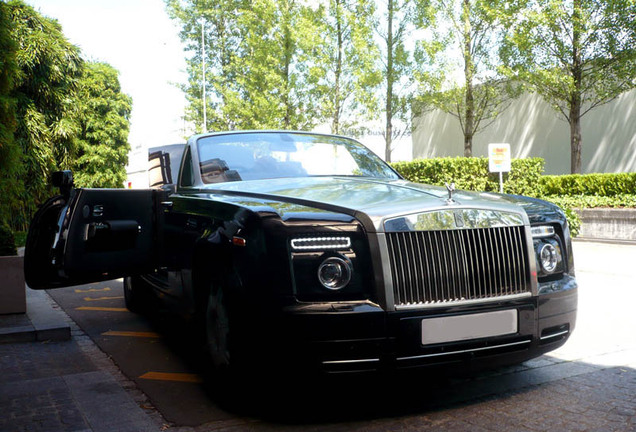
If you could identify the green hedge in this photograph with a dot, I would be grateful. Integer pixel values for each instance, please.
(525, 178)
(472, 174)
(600, 185)
(591, 201)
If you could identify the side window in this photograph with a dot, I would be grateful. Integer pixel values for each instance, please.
(187, 174)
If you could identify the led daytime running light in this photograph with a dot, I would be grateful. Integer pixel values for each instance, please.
(542, 231)
(321, 243)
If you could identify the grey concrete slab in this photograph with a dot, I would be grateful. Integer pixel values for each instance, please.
(43, 321)
(16, 328)
(613, 224)
(12, 287)
(49, 321)
(105, 405)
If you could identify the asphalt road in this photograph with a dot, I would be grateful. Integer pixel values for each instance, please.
(159, 352)
(161, 355)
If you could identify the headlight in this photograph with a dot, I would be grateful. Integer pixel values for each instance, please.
(548, 250)
(330, 263)
(334, 273)
(548, 258)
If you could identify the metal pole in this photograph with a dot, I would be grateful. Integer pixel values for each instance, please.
(500, 182)
(205, 120)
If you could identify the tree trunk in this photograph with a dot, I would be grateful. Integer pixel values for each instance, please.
(469, 124)
(576, 138)
(388, 137)
(288, 47)
(287, 80)
(335, 125)
(576, 144)
(468, 145)
(469, 72)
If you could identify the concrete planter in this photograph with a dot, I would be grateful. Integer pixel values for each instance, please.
(12, 286)
(608, 224)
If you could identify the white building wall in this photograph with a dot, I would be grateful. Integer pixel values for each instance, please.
(373, 139)
(137, 169)
(533, 129)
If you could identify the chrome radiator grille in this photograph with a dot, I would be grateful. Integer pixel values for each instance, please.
(435, 267)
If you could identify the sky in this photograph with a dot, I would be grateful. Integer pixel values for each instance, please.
(139, 39)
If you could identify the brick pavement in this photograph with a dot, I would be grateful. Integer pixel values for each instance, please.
(62, 385)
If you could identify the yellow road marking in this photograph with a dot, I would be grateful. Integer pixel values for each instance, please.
(132, 334)
(165, 376)
(89, 299)
(91, 290)
(105, 309)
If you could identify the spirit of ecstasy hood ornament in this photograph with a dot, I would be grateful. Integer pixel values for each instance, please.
(451, 190)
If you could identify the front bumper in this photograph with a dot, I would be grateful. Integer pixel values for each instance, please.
(361, 336)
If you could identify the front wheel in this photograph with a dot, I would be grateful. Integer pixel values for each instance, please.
(217, 330)
(136, 294)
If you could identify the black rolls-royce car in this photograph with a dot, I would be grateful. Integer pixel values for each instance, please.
(307, 249)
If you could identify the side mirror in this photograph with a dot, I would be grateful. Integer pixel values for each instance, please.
(169, 188)
(64, 181)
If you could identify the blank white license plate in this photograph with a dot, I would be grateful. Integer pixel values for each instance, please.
(466, 327)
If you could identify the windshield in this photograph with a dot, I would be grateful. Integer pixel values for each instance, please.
(254, 156)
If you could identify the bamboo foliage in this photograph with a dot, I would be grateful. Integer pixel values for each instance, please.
(55, 114)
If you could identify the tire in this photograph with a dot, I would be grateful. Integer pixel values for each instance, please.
(218, 331)
(136, 294)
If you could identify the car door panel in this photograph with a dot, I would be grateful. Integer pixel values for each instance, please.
(95, 234)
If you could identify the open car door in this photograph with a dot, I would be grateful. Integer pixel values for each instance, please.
(89, 235)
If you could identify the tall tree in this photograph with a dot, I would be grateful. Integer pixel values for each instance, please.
(9, 150)
(577, 54)
(398, 17)
(296, 38)
(349, 72)
(214, 22)
(473, 28)
(103, 114)
(49, 67)
(258, 62)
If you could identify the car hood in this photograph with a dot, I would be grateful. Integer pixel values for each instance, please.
(370, 200)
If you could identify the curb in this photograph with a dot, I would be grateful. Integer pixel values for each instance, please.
(42, 322)
(585, 239)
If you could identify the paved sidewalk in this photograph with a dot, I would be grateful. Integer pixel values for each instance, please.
(55, 379)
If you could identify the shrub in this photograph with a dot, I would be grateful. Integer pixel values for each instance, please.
(591, 201)
(472, 174)
(7, 242)
(573, 218)
(20, 238)
(601, 185)
(567, 191)
(525, 178)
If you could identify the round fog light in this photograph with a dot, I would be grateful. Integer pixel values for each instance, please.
(548, 256)
(334, 273)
